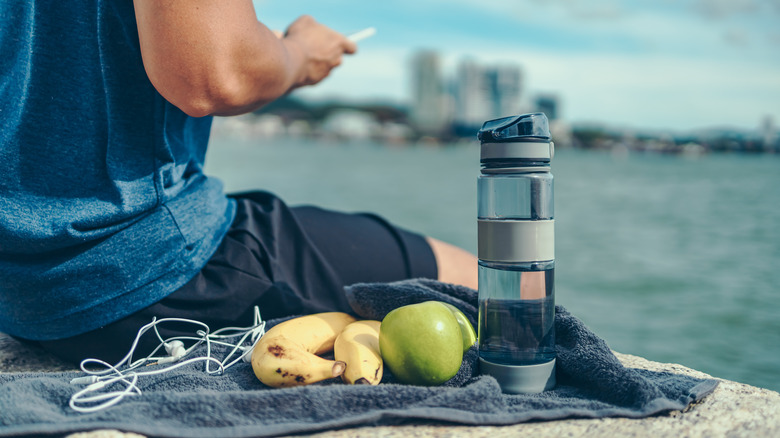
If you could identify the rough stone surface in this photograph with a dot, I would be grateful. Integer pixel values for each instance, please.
(732, 410)
(19, 357)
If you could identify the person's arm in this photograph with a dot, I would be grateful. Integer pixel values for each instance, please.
(212, 57)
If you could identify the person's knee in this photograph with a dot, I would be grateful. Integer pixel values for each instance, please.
(455, 265)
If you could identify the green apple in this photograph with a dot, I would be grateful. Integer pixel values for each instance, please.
(421, 344)
(466, 329)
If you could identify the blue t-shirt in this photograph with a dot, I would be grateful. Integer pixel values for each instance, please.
(104, 207)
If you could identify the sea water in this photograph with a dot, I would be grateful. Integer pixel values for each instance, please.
(516, 313)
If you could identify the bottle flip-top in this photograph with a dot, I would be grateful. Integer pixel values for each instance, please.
(516, 251)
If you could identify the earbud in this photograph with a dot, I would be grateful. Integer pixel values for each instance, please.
(247, 355)
(175, 351)
(175, 348)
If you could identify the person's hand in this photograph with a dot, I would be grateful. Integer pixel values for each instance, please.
(321, 47)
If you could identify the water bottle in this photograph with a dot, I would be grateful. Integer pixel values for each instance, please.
(516, 251)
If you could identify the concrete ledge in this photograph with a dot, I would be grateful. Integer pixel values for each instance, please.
(733, 410)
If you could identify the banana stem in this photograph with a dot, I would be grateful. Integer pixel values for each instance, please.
(338, 368)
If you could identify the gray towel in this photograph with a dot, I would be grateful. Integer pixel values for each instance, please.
(188, 403)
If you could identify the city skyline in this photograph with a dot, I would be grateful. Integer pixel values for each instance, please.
(681, 65)
(443, 104)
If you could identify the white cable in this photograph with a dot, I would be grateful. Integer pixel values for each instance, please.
(112, 397)
(89, 399)
(83, 380)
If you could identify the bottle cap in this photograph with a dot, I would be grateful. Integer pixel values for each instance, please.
(524, 137)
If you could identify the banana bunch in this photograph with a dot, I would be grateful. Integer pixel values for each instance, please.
(288, 354)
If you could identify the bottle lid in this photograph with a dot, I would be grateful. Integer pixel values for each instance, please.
(522, 137)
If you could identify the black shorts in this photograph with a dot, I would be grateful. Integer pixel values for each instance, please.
(287, 261)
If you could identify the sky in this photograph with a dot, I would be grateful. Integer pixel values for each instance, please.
(679, 65)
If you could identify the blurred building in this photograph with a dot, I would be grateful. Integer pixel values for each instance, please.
(349, 124)
(484, 93)
(429, 98)
(477, 93)
(548, 104)
(473, 103)
(769, 133)
(504, 88)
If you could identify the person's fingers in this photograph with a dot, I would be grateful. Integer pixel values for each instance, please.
(349, 46)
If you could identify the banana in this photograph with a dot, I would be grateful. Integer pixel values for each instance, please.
(280, 362)
(358, 346)
(316, 333)
(286, 355)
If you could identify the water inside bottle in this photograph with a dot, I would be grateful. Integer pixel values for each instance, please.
(527, 196)
(516, 314)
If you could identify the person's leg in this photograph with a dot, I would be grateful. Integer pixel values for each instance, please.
(366, 248)
(455, 265)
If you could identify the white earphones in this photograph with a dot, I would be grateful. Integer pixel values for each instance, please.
(175, 350)
(237, 339)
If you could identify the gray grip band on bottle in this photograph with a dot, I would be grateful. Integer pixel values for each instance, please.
(526, 150)
(521, 379)
(515, 240)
